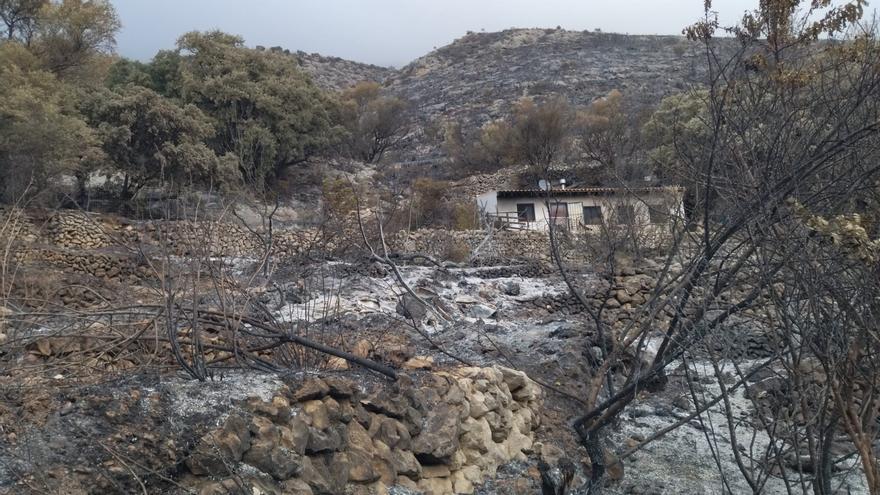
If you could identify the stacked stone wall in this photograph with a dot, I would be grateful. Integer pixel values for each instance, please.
(437, 433)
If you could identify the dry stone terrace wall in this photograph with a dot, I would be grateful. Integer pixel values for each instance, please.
(108, 247)
(504, 245)
(439, 434)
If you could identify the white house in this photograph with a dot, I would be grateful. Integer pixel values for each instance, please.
(584, 208)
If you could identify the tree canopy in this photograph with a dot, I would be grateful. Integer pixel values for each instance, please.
(152, 140)
(41, 133)
(375, 123)
(267, 114)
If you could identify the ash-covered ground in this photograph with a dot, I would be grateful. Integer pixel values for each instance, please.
(523, 316)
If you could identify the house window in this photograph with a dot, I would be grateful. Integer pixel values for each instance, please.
(559, 210)
(592, 215)
(525, 212)
(626, 214)
(658, 213)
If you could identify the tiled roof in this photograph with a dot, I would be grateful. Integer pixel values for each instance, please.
(572, 191)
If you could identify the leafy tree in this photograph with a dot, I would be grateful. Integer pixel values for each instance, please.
(41, 134)
(487, 151)
(125, 71)
(151, 140)
(267, 114)
(540, 132)
(608, 135)
(20, 18)
(71, 33)
(375, 123)
(677, 128)
(165, 75)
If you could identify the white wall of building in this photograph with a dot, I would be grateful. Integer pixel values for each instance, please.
(668, 200)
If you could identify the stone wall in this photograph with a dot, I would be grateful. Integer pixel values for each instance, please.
(503, 245)
(109, 247)
(437, 433)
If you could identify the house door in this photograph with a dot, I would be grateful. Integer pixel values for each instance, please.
(559, 214)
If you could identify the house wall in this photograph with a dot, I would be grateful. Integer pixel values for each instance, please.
(669, 200)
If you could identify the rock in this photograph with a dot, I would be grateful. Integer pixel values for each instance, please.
(510, 288)
(340, 388)
(315, 413)
(551, 454)
(419, 363)
(482, 311)
(460, 483)
(360, 467)
(435, 471)
(436, 486)
(410, 307)
(379, 403)
(216, 449)
(359, 439)
(438, 439)
(530, 392)
(278, 409)
(323, 440)
(476, 437)
(326, 474)
(514, 379)
(337, 363)
(682, 403)
(295, 436)
(390, 432)
(383, 463)
(294, 487)
(408, 484)
(406, 464)
(465, 299)
(311, 390)
(274, 460)
(362, 348)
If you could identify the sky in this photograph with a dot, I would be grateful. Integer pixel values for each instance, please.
(391, 32)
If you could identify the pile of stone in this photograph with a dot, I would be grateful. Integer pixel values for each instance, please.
(78, 230)
(440, 434)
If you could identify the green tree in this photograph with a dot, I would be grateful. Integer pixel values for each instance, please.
(375, 123)
(540, 132)
(608, 135)
(20, 18)
(164, 72)
(41, 135)
(71, 33)
(151, 140)
(125, 71)
(268, 114)
(677, 128)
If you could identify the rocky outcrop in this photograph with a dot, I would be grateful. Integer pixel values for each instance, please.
(338, 74)
(440, 434)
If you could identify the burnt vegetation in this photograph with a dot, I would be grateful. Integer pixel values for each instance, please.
(247, 270)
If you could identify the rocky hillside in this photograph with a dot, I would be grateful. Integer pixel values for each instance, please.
(479, 76)
(475, 78)
(335, 73)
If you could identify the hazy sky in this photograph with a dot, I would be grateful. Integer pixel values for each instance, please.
(391, 32)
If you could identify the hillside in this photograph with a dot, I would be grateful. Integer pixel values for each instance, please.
(336, 73)
(476, 77)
